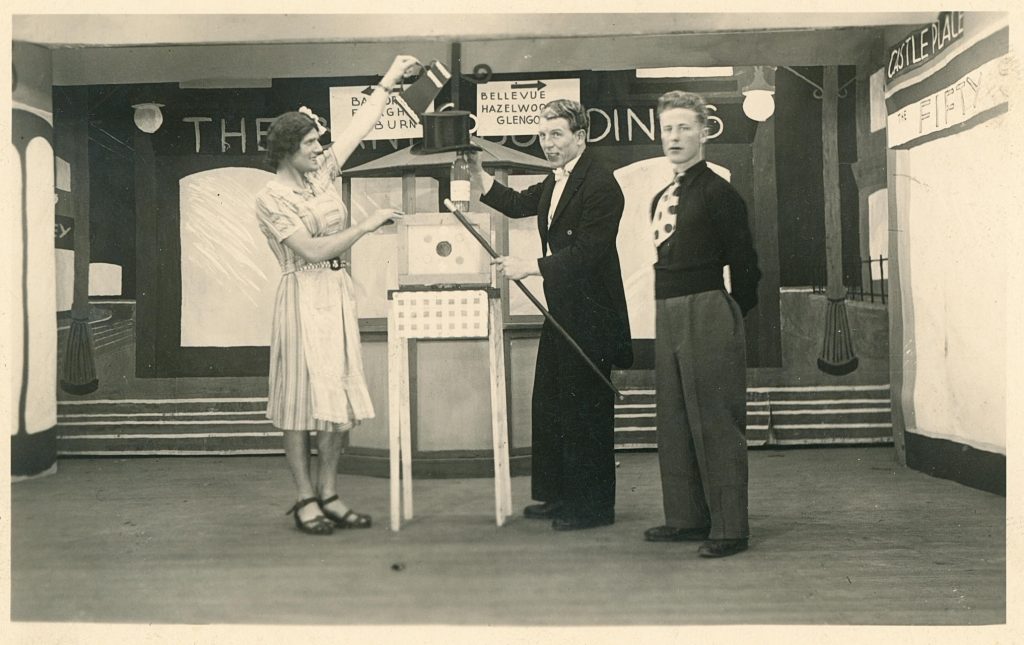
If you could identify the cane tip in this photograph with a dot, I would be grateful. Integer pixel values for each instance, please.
(449, 205)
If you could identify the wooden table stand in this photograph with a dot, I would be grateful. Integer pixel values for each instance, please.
(448, 314)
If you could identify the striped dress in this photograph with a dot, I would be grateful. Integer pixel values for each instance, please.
(281, 209)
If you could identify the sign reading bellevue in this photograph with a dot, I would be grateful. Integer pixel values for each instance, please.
(514, 107)
(393, 124)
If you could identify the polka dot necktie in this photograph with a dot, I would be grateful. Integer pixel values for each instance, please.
(664, 223)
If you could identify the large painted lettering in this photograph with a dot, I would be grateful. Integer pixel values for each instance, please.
(924, 43)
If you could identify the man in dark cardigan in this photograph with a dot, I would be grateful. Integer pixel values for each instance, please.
(699, 225)
(578, 209)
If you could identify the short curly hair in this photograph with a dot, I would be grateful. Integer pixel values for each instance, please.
(571, 111)
(285, 135)
(686, 101)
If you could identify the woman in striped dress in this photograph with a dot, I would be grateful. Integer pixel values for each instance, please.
(316, 369)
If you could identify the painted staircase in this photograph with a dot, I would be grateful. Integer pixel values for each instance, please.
(780, 416)
(776, 416)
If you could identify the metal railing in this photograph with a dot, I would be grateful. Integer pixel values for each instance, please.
(868, 284)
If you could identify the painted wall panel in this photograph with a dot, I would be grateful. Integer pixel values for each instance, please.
(228, 274)
(104, 279)
(64, 273)
(951, 203)
(958, 215)
(41, 398)
(878, 227)
(12, 314)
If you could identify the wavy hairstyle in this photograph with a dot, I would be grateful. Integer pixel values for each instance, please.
(571, 111)
(285, 135)
(686, 101)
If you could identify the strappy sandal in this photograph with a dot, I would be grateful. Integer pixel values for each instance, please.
(316, 526)
(350, 520)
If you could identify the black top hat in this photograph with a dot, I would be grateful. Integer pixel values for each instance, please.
(444, 132)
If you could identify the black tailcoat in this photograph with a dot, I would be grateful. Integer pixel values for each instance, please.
(573, 411)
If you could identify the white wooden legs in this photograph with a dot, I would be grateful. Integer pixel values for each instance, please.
(499, 415)
(405, 431)
(398, 398)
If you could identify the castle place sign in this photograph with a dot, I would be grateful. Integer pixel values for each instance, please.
(924, 43)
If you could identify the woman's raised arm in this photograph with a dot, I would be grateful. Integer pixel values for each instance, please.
(371, 111)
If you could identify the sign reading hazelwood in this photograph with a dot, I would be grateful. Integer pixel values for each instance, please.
(514, 107)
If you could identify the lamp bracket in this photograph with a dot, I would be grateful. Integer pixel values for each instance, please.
(819, 91)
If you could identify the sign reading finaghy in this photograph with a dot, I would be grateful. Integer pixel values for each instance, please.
(394, 123)
(924, 43)
(513, 107)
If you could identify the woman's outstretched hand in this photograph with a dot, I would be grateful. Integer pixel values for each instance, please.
(401, 67)
(380, 217)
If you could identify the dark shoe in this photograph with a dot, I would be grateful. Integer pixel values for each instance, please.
(350, 520)
(316, 526)
(672, 534)
(721, 548)
(577, 522)
(545, 511)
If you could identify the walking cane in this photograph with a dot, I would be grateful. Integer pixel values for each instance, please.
(536, 303)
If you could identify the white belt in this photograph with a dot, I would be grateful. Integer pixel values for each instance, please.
(334, 264)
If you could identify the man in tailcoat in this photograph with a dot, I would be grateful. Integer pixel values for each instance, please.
(578, 209)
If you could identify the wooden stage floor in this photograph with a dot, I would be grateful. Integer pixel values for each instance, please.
(840, 536)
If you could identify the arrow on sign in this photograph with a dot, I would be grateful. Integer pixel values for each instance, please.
(536, 85)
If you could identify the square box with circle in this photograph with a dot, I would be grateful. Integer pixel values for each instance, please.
(435, 249)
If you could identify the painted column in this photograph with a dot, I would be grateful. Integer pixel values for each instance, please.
(31, 310)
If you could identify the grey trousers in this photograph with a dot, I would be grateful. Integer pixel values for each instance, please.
(700, 366)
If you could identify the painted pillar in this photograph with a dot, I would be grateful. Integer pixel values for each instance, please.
(837, 355)
(31, 311)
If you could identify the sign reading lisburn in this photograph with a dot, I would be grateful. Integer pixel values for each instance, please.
(395, 123)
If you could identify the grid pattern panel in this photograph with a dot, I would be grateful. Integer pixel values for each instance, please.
(441, 314)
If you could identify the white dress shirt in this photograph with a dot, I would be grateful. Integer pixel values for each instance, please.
(561, 175)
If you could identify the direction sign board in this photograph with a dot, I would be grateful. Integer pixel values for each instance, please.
(393, 124)
(514, 107)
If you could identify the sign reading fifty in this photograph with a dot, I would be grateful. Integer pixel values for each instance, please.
(980, 91)
(514, 107)
(394, 123)
(922, 44)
